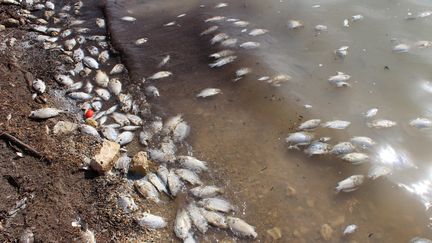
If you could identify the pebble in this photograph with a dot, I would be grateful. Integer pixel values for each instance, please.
(326, 232)
(275, 233)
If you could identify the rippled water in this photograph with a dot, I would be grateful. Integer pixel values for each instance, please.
(241, 132)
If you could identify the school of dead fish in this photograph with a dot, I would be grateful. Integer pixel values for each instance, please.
(89, 54)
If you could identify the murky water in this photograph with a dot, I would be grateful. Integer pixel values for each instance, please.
(241, 132)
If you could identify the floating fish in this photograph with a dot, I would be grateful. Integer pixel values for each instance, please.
(381, 123)
(223, 53)
(152, 91)
(317, 148)
(340, 80)
(264, 78)
(421, 123)
(230, 42)
(356, 158)
(256, 32)
(350, 229)
(250, 45)
(242, 72)
(294, 24)
(223, 61)
(377, 171)
(240, 227)
(337, 124)
(420, 240)
(150, 221)
(128, 18)
(192, 163)
(45, 113)
(320, 27)
(118, 68)
(141, 41)
(188, 176)
(241, 24)
(209, 30)
(218, 38)
(221, 5)
(342, 148)
(170, 24)
(423, 44)
(208, 92)
(309, 124)
(342, 51)
(401, 48)
(277, 80)
(363, 142)
(100, 22)
(161, 74)
(164, 61)
(215, 19)
(206, 191)
(299, 138)
(371, 112)
(346, 23)
(350, 184)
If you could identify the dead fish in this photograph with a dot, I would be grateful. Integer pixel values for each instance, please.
(342, 52)
(192, 163)
(223, 53)
(130, 128)
(294, 24)
(147, 190)
(401, 48)
(263, 78)
(230, 42)
(64, 80)
(150, 221)
(163, 172)
(420, 240)
(78, 55)
(350, 229)
(110, 133)
(299, 138)
(223, 61)
(141, 41)
(170, 24)
(357, 17)
(242, 72)
(221, 5)
(99, 115)
(39, 86)
(103, 93)
(120, 118)
(209, 30)
(277, 80)
(66, 33)
(84, 31)
(346, 23)
(337, 124)
(103, 56)
(80, 39)
(342, 148)
(421, 123)
(208, 92)
(182, 224)
(89, 130)
(317, 148)
(70, 44)
(250, 45)
(125, 138)
(363, 142)
(174, 183)
(145, 137)
(91, 62)
(218, 38)
(126, 203)
(152, 91)
(181, 131)
(340, 80)
(356, 158)
(241, 24)
(350, 184)
(423, 44)
(378, 170)
(215, 19)
(240, 228)
(256, 32)
(181, 15)
(114, 108)
(125, 101)
(115, 86)
(320, 27)
(136, 120)
(216, 204)
(381, 123)
(80, 96)
(101, 79)
(100, 22)
(164, 61)
(157, 182)
(128, 18)
(309, 124)
(197, 218)
(93, 50)
(371, 112)
(189, 176)
(206, 191)
(45, 113)
(161, 74)
(118, 68)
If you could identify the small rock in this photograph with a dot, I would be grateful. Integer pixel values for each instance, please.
(297, 234)
(275, 233)
(140, 163)
(310, 203)
(326, 232)
(291, 191)
(64, 128)
(2, 27)
(104, 160)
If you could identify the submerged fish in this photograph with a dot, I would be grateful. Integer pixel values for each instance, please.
(161, 74)
(342, 148)
(309, 124)
(378, 170)
(317, 148)
(294, 24)
(208, 92)
(250, 45)
(299, 138)
(337, 124)
(381, 123)
(350, 184)
(209, 30)
(223, 61)
(128, 18)
(421, 123)
(356, 158)
(164, 61)
(256, 32)
(241, 228)
(340, 80)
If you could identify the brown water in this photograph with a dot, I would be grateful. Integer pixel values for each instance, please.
(241, 131)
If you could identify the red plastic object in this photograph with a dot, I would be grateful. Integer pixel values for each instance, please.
(89, 113)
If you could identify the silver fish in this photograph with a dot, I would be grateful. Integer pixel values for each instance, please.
(141, 41)
(350, 229)
(115, 86)
(161, 74)
(357, 17)
(182, 224)
(118, 68)
(215, 19)
(152, 91)
(356, 158)
(223, 61)
(91, 62)
(136, 120)
(377, 171)
(241, 24)
(150, 221)
(181, 131)
(157, 182)
(342, 148)
(130, 128)
(277, 80)
(126, 203)
(101, 79)
(103, 93)
(371, 112)
(299, 138)
(214, 218)
(250, 45)
(401, 48)
(223, 53)
(128, 18)
(197, 218)
(80, 96)
(78, 55)
(89, 130)
(243, 71)
(230, 42)
(218, 38)
(421, 123)
(350, 184)
(189, 176)
(363, 142)
(39, 86)
(317, 148)
(342, 52)
(256, 32)
(420, 240)
(221, 5)
(340, 80)
(381, 123)
(294, 24)
(309, 124)
(241, 228)
(216, 204)
(192, 163)
(110, 133)
(64, 80)
(125, 138)
(321, 27)
(112, 109)
(147, 190)
(164, 61)
(174, 183)
(206, 191)
(208, 92)
(45, 113)
(337, 124)
(209, 30)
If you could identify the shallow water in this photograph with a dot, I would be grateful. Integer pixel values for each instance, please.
(241, 132)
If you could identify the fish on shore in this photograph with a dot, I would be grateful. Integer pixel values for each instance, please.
(223, 61)
(250, 45)
(160, 75)
(256, 32)
(208, 92)
(309, 124)
(240, 227)
(336, 124)
(45, 113)
(182, 224)
(209, 30)
(350, 184)
(150, 221)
